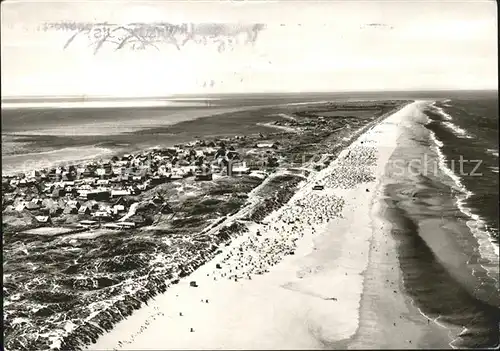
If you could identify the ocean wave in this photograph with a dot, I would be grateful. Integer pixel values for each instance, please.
(445, 103)
(432, 289)
(438, 144)
(459, 132)
(440, 111)
(488, 249)
(492, 152)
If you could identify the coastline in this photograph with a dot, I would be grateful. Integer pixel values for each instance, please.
(406, 326)
(23, 162)
(117, 297)
(298, 280)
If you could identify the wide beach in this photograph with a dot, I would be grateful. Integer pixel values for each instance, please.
(320, 296)
(345, 251)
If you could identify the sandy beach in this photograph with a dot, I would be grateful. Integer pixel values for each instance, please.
(315, 274)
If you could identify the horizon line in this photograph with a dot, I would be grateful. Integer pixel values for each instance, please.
(201, 95)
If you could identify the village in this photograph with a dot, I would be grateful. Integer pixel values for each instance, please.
(95, 240)
(101, 194)
(119, 193)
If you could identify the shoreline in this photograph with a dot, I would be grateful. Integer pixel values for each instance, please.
(174, 118)
(413, 326)
(312, 257)
(133, 293)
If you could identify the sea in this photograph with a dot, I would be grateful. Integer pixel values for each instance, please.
(442, 198)
(441, 194)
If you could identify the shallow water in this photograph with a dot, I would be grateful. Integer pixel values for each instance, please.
(445, 271)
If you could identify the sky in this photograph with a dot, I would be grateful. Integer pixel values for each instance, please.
(305, 46)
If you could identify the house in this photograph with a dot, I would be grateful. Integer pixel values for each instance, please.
(137, 178)
(239, 168)
(116, 170)
(73, 203)
(33, 174)
(102, 215)
(37, 201)
(125, 178)
(176, 174)
(114, 226)
(82, 194)
(88, 173)
(120, 164)
(88, 224)
(203, 176)
(143, 186)
(105, 207)
(92, 204)
(128, 225)
(100, 172)
(115, 180)
(138, 220)
(89, 180)
(70, 190)
(258, 174)
(43, 219)
(49, 188)
(118, 208)
(84, 210)
(155, 180)
(80, 170)
(58, 192)
(84, 187)
(99, 195)
(120, 192)
(209, 151)
(20, 207)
